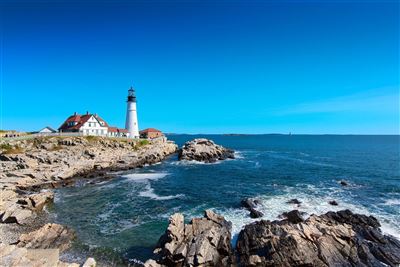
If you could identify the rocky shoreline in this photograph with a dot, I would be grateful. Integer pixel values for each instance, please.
(333, 239)
(32, 167)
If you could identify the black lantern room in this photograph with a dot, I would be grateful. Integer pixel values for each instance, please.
(131, 95)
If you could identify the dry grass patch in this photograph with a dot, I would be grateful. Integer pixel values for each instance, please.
(9, 149)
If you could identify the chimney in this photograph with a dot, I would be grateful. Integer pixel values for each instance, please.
(87, 112)
(75, 113)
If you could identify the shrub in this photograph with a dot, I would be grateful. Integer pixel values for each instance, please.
(56, 148)
(140, 143)
(91, 138)
(12, 150)
(5, 146)
(143, 142)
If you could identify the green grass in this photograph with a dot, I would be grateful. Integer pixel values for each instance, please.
(6, 146)
(140, 143)
(143, 142)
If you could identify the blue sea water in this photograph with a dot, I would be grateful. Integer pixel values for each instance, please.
(121, 220)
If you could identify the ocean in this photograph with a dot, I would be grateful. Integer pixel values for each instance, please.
(120, 221)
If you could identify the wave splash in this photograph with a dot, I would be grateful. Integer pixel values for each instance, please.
(314, 200)
(149, 192)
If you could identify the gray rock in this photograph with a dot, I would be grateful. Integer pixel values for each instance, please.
(251, 205)
(204, 150)
(50, 236)
(16, 213)
(294, 201)
(293, 216)
(333, 203)
(333, 239)
(203, 242)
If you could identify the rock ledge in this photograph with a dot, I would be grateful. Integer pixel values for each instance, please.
(204, 150)
(202, 242)
(332, 239)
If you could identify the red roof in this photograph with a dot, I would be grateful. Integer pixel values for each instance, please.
(150, 130)
(117, 130)
(113, 129)
(80, 119)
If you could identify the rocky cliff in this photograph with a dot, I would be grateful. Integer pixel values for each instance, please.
(202, 242)
(332, 239)
(30, 168)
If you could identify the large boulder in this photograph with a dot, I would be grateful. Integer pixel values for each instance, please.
(13, 256)
(204, 150)
(202, 242)
(333, 239)
(50, 236)
(22, 210)
(14, 212)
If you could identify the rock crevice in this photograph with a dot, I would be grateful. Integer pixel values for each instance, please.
(202, 242)
(332, 239)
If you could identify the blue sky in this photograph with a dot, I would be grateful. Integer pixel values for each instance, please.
(204, 66)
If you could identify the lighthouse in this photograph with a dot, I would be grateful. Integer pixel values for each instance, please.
(131, 123)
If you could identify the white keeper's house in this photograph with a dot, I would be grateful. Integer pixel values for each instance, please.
(90, 124)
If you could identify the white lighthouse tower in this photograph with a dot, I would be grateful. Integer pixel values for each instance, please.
(131, 123)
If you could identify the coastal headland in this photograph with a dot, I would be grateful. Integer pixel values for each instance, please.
(31, 168)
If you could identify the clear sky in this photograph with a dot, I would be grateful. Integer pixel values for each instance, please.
(203, 66)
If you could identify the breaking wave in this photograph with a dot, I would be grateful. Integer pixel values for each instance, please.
(149, 192)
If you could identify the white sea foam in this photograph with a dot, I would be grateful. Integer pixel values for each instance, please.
(149, 192)
(118, 227)
(392, 202)
(108, 225)
(140, 177)
(309, 162)
(239, 155)
(108, 211)
(193, 162)
(313, 202)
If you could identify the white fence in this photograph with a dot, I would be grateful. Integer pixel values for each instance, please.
(31, 136)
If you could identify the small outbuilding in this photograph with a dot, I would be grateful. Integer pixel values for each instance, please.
(47, 130)
(150, 133)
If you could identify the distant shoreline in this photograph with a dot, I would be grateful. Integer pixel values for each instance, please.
(277, 134)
